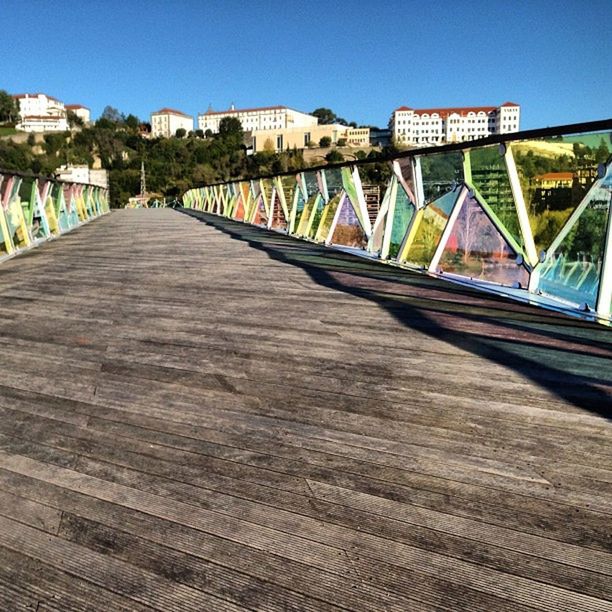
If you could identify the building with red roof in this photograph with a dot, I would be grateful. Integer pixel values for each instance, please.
(435, 126)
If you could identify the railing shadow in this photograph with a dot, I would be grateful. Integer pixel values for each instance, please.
(570, 358)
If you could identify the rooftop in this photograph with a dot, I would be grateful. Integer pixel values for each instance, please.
(171, 111)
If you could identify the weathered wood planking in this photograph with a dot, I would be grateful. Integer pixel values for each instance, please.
(199, 415)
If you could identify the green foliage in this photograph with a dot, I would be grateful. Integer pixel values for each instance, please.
(341, 142)
(73, 119)
(334, 156)
(181, 133)
(325, 115)
(9, 107)
(325, 141)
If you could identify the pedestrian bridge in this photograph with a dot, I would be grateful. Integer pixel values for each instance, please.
(202, 414)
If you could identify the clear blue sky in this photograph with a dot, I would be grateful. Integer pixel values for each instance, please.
(361, 59)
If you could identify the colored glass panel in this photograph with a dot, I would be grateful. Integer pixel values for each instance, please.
(278, 216)
(402, 216)
(405, 166)
(333, 180)
(441, 172)
(348, 230)
(572, 271)
(490, 178)
(555, 175)
(315, 217)
(430, 229)
(311, 182)
(307, 210)
(266, 188)
(476, 249)
(328, 217)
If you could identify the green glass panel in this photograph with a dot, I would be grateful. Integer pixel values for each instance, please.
(348, 230)
(333, 180)
(402, 215)
(304, 217)
(441, 172)
(555, 175)
(490, 178)
(572, 271)
(431, 227)
(476, 249)
(316, 215)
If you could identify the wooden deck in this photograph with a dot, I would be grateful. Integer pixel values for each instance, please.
(200, 415)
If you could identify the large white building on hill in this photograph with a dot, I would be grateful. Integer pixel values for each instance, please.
(255, 119)
(435, 126)
(39, 112)
(166, 121)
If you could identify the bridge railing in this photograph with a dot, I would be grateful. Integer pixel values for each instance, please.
(524, 214)
(34, 209)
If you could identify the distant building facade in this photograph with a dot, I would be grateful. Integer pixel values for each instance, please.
(166, 121)
(39, 112)
(435, 126)
(82, 112)
(80, 173)
(257, 119)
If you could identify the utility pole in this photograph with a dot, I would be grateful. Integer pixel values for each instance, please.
(143, 180)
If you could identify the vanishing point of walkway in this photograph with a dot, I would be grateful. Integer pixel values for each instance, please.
(200, 415)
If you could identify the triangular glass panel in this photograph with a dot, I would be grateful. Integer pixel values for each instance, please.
(402, 216)
(476, 249)
(572, 270)
(348, 230)
(328, 217)
(490, 178)
(431, 228)
(279, 221)
(307, 210)
(239, 211)
(555, 175)
(261, 214)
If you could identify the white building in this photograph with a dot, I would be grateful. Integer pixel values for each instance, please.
(80, 173)
(255, 119)
(39, 112)
(434, 126)
(82, 112)
(166, 121)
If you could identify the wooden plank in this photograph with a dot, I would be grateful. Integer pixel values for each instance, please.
(260, 422)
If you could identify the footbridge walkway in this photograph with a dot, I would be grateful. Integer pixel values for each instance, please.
(200, 414)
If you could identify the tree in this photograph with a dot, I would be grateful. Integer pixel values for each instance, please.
(208, 133)
(112, 114)
(181, 133)
(334, 156)
(199, 133)
(326, 116)
(132, 122)
(325, 141)
(73, 119)
(341, 142)
(9, 107)
(230, 127)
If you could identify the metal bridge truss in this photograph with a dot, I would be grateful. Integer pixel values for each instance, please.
(526, 215)
(35, 209)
